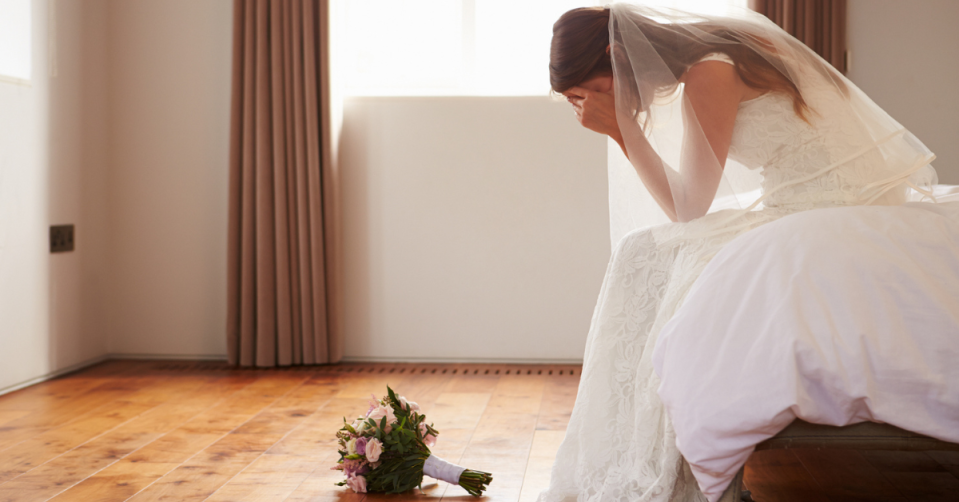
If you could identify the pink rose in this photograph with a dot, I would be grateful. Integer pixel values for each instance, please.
(384, 411)
(373, 404)
(352, 467)
(428, 438)
(374, 448)
(357, 483)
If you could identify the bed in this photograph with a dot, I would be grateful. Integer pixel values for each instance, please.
(829, 327)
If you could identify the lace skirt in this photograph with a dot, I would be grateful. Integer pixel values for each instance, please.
(620, 445)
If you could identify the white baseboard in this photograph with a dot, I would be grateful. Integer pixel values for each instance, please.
(106, 357)
(169, 357)
(53, 374)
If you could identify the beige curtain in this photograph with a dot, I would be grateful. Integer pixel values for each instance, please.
(820, 24)
(282, 244)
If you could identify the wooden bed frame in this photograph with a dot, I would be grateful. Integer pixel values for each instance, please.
(862, 436)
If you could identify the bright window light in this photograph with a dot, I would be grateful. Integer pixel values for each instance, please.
(456, 47)
(15, 39)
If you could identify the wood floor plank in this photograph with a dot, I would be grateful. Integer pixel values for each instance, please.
(318, 486)
(50, 394)
(457, 410)
(12, 414)
(78, 407)
(315, 436)
(471, 380)
(274, 476)
(455, 415)
(87, 459)
(118, 482)
(501, 442)
(558, 400)
(33, 452)
(208, 470)
(144, 466)
(541, 455)
(267, 479)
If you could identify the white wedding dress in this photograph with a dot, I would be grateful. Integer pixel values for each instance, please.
(620, 445)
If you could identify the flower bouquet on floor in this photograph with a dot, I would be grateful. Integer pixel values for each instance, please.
(388, 451)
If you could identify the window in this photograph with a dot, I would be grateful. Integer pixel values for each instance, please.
(456, 47)
(15, 40)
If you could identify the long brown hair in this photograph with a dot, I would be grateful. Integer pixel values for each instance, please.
(581, 36)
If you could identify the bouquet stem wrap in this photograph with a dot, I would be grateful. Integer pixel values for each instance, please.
(438, 468)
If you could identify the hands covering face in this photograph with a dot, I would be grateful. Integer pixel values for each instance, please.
(594, 110)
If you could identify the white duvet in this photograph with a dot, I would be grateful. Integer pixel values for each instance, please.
(835, 316)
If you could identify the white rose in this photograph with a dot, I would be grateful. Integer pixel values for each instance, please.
(360, 425)
(409, 405)
(373, 450)
(351, 447)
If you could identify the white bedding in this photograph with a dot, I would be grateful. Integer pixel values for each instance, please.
(835, 316)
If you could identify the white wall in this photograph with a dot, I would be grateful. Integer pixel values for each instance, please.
(474, 228)
(123, 132)
(170, 66)
(52, 171)
(904, 56)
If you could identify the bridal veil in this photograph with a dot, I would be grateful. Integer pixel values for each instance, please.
(651, 49)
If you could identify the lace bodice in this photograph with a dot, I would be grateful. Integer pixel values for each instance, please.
(770, 136)
(831, 160)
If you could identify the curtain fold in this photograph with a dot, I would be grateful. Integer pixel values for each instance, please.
(282, 235)
(820, 24)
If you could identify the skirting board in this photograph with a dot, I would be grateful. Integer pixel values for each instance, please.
(53, 374)
(169, 357)
(221, 357)
(96, 360)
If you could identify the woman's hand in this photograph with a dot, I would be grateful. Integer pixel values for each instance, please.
(595, 111)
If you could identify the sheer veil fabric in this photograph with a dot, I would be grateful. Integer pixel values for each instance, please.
(843, 151)
(651, 106)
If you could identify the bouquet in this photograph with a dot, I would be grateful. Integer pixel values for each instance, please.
(387, 451)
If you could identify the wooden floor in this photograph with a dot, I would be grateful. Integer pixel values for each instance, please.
(200, 431)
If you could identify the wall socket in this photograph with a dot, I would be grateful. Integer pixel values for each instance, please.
(61, 238)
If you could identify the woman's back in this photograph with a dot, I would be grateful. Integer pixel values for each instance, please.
(834, 159)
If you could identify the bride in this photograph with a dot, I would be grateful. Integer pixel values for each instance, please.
(730, 123)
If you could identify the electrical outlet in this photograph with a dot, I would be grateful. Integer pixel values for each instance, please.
(61, 238)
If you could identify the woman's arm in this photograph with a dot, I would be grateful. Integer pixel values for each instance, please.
(596, 111)
(713, 91)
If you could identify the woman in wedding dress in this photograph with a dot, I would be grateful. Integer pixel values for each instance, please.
(689, 99)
